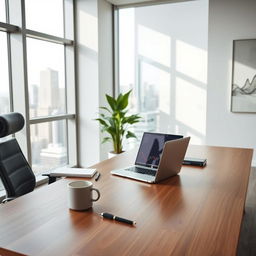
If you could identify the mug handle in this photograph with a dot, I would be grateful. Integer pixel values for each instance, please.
(98, 193)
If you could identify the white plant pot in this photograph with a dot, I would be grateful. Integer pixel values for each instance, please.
(112, 154)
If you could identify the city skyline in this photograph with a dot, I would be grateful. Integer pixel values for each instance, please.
(48, 140)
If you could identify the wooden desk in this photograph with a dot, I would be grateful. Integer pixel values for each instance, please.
(196, 213)
(5, 252)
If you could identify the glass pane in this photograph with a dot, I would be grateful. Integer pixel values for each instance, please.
(2, 11)
(127, 49)
(45, 16)
(166, 67)
(48, 145)
(154, 96)
(46, 79)
(4, 87)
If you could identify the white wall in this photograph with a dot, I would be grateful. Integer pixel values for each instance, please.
(87, 81)
(228, 20)
(105, 61)
(94, 74)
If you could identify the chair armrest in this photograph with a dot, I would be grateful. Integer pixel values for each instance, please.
(51, 179)
(7, 199)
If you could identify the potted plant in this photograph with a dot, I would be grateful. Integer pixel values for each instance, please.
(116, 121)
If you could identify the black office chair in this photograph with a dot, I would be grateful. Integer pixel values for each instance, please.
(15, 172)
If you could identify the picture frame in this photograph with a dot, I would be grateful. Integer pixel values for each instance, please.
(243, 89)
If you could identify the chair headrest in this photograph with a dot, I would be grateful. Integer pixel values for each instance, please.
(11, 123)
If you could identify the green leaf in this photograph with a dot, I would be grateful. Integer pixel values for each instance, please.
(123, 102)
(106, 139)
(111, 131)
(119, 99)
(102, 122)
(132, 119)
(106, 118)
(111, 102)
(130, 135)
(102, 115)
(112, 122)
(122, 114)
(105, 108)
(115, 121)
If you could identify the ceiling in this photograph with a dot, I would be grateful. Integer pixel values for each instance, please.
(121, 2)
(125, 2)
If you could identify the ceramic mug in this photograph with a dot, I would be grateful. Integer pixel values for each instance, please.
(80, 195)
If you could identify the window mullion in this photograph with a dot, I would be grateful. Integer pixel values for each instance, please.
(8, 27)
(70, 81)
(10, 71)
(116, 89)
(47, 37)
(38, 120)
(19, 73)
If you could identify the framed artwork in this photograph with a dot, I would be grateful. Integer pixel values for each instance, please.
(243, 98)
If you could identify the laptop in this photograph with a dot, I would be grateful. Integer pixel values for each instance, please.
(160, 156)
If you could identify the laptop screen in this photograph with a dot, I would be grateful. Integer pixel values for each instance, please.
(151, 148)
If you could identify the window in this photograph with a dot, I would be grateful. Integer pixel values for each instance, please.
(37, 72)
(4, 74)
(140, 51)
(46, 78)
(2, 11)
(47, 70)
(162, 56)
(49, 145)
(45, 16)
(4, 88)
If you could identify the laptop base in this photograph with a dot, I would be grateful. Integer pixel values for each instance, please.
(134, 175)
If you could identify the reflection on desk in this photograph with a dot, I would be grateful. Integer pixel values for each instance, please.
(194, 213)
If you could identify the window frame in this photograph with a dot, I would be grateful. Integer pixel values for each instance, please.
(17, 33)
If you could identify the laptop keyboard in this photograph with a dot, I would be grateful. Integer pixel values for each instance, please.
(142, 170)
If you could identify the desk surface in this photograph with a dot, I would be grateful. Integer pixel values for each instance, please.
(198, 212)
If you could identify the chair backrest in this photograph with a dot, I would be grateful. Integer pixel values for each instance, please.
(15, 172)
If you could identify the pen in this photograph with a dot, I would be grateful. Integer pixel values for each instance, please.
(113, 217)
(97, 176)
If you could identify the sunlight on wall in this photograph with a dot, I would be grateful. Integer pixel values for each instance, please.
(89, 31)
(191, 107)
(196, 67)
(154, 45)
(196, 140)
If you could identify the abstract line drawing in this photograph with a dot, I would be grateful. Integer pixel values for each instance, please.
(243, 98)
